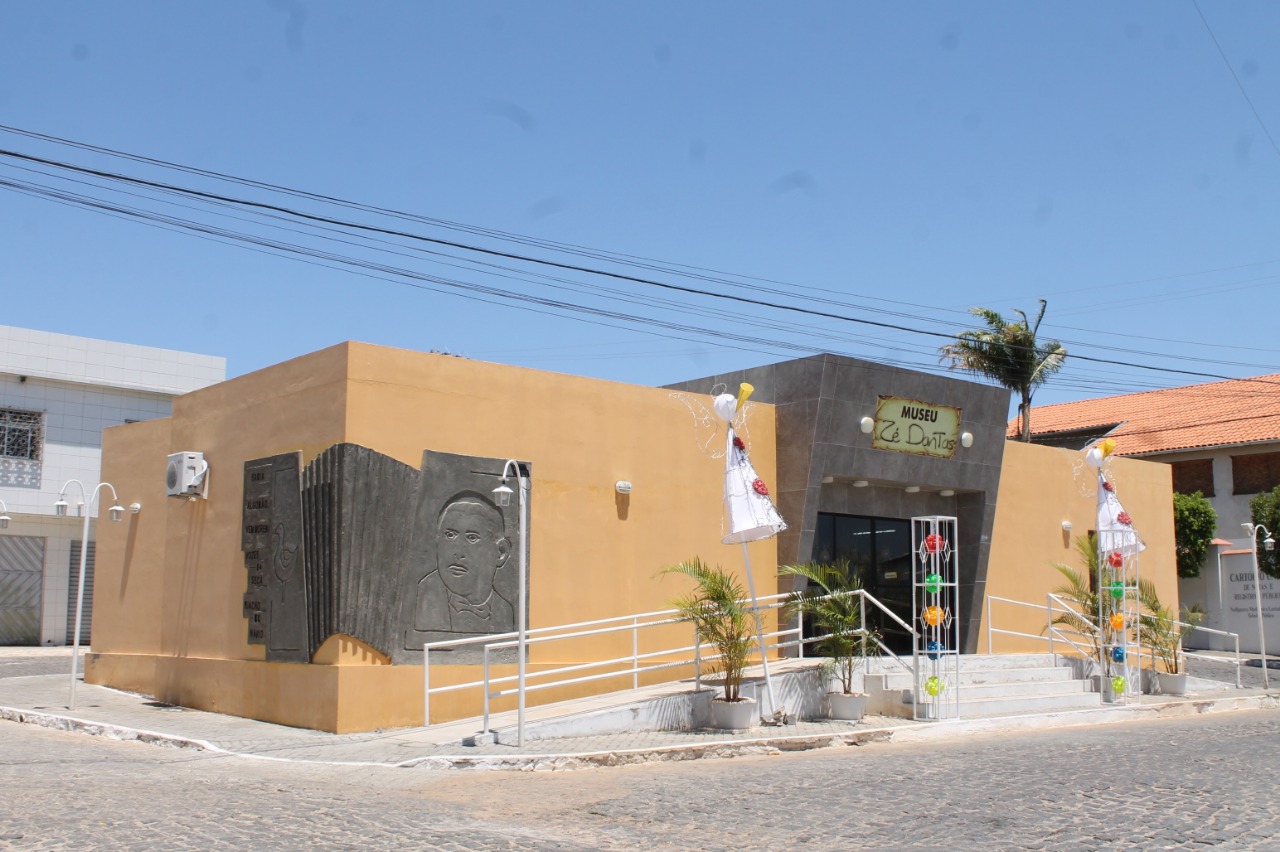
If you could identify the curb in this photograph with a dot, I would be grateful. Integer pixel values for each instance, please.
(767, 745)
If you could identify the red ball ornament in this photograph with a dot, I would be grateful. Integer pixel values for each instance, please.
(737, 442)
(934, 543)
(1116, 559)
(1124, 518)
(1107, 486)
(760, 487)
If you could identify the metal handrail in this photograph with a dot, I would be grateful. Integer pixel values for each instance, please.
(1052, 631)
(639, 662)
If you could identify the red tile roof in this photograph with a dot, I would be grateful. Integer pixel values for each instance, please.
(1238, 411)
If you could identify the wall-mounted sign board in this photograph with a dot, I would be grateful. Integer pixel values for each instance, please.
(912, 426)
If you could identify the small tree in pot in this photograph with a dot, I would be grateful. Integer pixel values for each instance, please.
(1163, 633)
(831, 598)
(717, 610)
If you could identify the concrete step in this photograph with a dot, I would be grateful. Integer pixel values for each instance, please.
(901, 679)
(1005, 705)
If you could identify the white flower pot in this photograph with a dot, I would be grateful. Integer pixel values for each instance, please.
(1172, 684)
(845, 705)
(733, 715)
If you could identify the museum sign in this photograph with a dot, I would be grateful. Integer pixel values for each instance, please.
(911, 426)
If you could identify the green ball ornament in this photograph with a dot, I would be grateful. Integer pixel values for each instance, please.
(933, 685)
(1117, 590)
(932, 583)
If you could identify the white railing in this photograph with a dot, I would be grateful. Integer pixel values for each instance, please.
(1055, 605)
(633, 665)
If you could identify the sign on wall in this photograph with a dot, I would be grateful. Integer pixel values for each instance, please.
(911, 426)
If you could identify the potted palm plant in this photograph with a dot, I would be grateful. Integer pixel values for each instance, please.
(717, 610)
(831, 598)
(1079, 590)
(1163, 632)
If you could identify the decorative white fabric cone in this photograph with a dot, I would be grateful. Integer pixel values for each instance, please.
(749, 513)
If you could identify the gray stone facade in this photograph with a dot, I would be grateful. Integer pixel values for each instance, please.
(820, 403)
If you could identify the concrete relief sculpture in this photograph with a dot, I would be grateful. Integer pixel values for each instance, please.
(363, 545)
(460, 595)
(460, 577)
(276, 600)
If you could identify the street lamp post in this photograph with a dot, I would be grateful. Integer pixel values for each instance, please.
(1270, 544)
(502, 496)
(115, 513)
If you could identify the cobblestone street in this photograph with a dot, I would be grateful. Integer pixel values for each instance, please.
(1174, 783)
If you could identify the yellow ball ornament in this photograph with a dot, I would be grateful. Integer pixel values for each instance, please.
(933, 685)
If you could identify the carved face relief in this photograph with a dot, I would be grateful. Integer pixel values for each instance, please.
(471, 546)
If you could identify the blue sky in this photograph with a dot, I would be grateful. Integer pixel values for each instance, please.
(899, 162)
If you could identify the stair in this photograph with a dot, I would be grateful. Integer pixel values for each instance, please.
(986, 685)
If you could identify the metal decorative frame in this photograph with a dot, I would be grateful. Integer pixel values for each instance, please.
(1119, 616)
(935, 600)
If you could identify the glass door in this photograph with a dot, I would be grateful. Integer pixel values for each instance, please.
(878, 551)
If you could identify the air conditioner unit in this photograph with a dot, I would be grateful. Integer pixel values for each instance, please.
(187, 475)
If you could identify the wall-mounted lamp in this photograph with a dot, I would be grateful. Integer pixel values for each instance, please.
(827, 480)
(135, 508)
(947, 492)
(622, 486)
(502, 494)
(913, 489)
(966, 439)
(867, 424)
(1066, 526)
(860, 483)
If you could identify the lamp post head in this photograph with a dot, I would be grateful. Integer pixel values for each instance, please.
(1269, 543)
(1247, 527)
(502, 494)
(4, 522)
(60, 508)
(116, 512)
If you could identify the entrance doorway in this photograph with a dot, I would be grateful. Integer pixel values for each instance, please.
(878, 551)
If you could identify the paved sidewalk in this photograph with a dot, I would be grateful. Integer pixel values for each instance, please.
(42, 699)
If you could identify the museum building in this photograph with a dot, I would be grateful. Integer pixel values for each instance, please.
(346, 517)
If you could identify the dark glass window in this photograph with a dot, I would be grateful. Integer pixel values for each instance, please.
(20, 436)
(1192, 476)
(1253, 474)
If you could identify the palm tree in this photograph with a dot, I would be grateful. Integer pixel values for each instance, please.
(1009, 353)
(719, 612)
(832, 598)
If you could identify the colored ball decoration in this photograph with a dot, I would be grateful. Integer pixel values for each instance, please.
(1117, 654)
(933, 685)
(1117, 589)
(1124, 518)
(932, 583)
(737, 442)
(934, 649)
(1117, 621)
(1116, 559)
(1117, 683)
(933, 615)
(934, 543)
(760, 487)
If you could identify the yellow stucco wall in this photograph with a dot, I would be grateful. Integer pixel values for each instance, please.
(168, 608)
(1040, 487)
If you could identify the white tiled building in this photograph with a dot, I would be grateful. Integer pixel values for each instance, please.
(57, 394)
